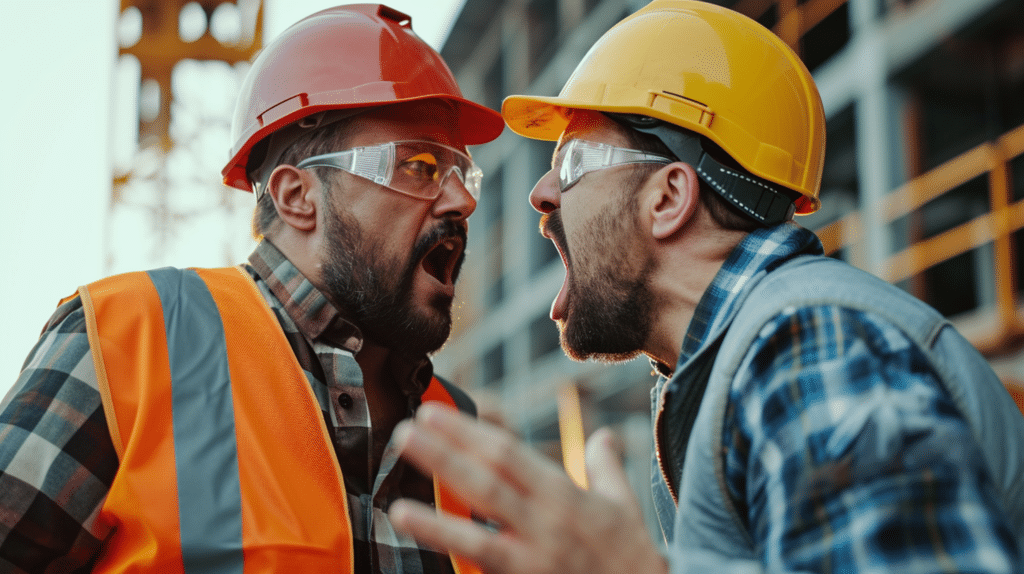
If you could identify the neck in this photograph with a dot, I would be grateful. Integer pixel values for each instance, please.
(302, 250)
(384, 397)
(686, 268)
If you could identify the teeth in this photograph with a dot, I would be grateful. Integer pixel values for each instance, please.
(448, 244)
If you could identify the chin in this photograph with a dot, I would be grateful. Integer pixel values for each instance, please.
(431, 326)
(582, 352)
(598, 344)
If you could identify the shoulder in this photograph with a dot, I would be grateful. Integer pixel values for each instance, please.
(812, 366)
(63, 345)
(813, 309)
(801, 336)
(68, 316)
(461, 399)
(56, 456)
(56, 394)
(835, 405)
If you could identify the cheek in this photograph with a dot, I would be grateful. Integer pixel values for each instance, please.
(398, 234)
(391, 219)
(597, 236)
(582, 220)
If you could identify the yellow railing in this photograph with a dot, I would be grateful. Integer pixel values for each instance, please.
(1004, 325)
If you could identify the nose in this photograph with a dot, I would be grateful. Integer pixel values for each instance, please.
(455, 200)
(546, 197)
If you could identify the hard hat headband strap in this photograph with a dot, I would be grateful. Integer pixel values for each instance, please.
(755, 197)
(751, 195)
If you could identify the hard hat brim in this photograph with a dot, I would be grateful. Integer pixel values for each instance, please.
(542, 118)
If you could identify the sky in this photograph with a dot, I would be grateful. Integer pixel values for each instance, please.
(58, 106)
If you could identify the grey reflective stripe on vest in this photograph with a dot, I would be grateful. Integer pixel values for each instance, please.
(205, 450)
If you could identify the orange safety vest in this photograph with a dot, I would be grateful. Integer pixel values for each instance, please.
(226, 464)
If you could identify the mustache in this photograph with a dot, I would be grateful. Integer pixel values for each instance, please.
(448, 228)
(552, 228)
(551, 223)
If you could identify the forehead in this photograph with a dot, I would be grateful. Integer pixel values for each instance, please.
(432, 120)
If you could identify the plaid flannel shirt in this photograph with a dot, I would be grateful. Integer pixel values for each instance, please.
(57, 460)
(843, 452)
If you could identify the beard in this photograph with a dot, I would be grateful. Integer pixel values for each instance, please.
(375, 292)
(609, 312)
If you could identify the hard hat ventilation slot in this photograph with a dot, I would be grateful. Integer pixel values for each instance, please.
(397, 17)
(682, 106)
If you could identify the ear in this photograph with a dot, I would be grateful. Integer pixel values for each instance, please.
(295, 195)
(673, 200)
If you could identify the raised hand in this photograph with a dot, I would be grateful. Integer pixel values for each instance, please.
(546, 524)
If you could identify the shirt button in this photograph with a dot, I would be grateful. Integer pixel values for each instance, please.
(345, 401)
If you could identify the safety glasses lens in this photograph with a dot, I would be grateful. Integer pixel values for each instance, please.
(417, 168)
(423, 169)
(572, 166)
(580, 157)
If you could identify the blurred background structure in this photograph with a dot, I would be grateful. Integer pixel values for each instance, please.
(923, 186)
(180, 64)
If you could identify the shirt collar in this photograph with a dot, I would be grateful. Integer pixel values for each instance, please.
(761, 250)
(312, 312)
(319, 320)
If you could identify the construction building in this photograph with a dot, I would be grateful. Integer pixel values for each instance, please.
(923, 186)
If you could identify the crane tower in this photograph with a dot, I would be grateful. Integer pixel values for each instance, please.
(179, 66)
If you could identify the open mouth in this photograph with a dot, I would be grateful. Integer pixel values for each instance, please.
(551, 227)
(442, 261)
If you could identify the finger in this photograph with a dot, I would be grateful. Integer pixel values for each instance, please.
(490, 550)
(469, 476)
(605, 471)
(521, 465)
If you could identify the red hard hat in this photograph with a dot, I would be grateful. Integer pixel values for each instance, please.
(347, 57)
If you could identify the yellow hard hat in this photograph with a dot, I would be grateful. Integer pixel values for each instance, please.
(707, 69)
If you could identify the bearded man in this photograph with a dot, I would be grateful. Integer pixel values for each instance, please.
(241, 419)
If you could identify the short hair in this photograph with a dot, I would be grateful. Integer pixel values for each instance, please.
(321, 140)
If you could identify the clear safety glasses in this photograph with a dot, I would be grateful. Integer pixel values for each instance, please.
(580, 157)
(416, 168)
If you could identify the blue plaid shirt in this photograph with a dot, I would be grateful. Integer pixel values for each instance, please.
(843, 452)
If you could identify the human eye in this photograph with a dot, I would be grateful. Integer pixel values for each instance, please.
(421, 167)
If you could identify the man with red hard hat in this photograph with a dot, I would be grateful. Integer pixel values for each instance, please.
(240, 419)
(809, 417)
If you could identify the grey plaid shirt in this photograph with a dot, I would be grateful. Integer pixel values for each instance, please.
(57, 460)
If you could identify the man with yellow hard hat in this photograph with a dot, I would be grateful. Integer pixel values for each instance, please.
(808, 417)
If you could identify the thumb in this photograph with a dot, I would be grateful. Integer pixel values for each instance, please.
(605, 473)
